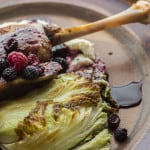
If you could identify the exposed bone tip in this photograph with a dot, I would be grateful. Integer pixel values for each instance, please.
(145, 6)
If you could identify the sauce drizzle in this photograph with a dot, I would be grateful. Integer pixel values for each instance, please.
(128, 95)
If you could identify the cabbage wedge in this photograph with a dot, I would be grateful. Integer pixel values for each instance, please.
(66, 114)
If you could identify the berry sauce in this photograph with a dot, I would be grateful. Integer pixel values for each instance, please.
(129, 95)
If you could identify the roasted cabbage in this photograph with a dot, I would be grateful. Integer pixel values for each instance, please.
(66, 114)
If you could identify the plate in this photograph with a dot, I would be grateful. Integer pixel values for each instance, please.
(122, 49)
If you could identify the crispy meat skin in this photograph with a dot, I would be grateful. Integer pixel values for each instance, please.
(31, 37)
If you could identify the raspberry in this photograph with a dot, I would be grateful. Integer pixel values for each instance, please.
(9, 74)
(17, 60)
(33, 60)
(3, 64)
(31, 72)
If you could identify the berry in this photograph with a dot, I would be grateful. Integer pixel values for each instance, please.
(60, 50)
(113, 121)
(33, 60)
(17, 60)
(31, 72)
(3, 64)
(120, 134)
(62, 62)
(11, 45)
(9, 74)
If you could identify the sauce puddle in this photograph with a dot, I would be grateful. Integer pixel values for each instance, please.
(128, 95)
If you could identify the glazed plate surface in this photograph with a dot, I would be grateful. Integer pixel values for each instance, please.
(121, 49)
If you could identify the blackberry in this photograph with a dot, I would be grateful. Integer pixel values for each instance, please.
(121, 134)
(62, 62)
(11, 45)
(60, 50)
(31, 72)
(3, 64)
(9, 74)
(113, 121)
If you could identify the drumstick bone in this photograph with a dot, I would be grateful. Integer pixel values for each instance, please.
(138, 12)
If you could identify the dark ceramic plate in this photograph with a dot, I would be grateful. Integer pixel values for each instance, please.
(122, 49)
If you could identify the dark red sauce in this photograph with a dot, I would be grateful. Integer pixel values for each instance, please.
(128, 95)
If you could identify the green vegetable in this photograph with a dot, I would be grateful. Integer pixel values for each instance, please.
(65, 114)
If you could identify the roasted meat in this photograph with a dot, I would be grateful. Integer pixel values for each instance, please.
(27, 37)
